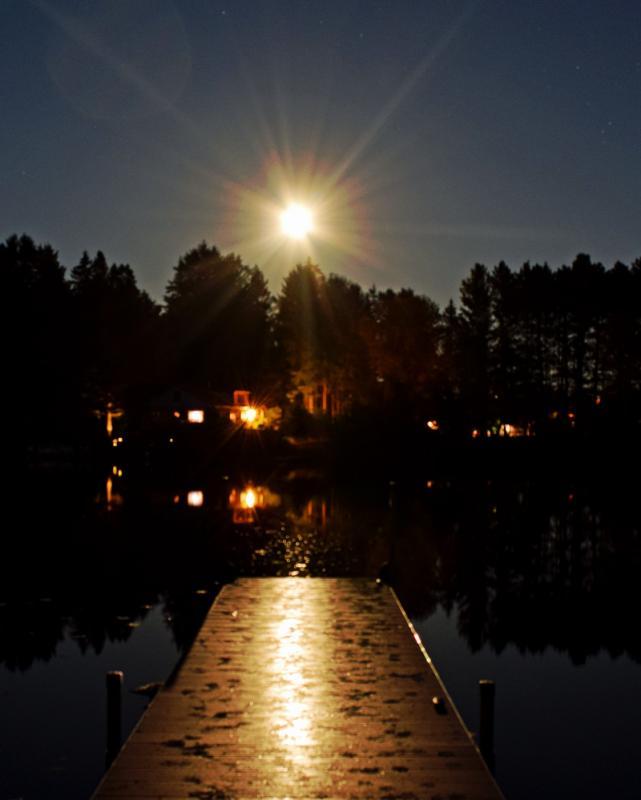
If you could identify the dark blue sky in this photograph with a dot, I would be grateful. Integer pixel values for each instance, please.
(429, 134)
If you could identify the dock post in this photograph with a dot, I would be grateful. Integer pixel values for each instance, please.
(486, 735)
(114, 714)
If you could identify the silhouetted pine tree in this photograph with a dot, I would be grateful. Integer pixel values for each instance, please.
(217, 325)
(506, 340)
(404, 350)
(476, 330)
(116, 324)
(35, 343)
(536, 323)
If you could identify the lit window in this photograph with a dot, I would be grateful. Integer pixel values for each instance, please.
(196, 415)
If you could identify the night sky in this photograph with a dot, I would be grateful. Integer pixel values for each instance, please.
(427, 135)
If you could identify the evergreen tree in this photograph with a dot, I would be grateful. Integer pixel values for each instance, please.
(35, 337)
(404, 349)
(346, 313)
(116, 342)
(217, 322)
(303, 331)
(449, 376)
(505, 341)
(476, 328)
(536, 339)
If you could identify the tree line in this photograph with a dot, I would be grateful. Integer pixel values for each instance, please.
(534, 348)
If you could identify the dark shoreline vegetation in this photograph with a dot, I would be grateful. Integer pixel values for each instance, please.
(531, 364)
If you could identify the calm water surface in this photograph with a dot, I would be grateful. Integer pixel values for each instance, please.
(532, 584)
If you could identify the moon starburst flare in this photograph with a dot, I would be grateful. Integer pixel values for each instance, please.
(296, 221)
(290, 212)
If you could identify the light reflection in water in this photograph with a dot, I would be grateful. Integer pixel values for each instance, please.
(111, 498)
(195, 498)
(244, 502)
(248, 498)
(316, 511)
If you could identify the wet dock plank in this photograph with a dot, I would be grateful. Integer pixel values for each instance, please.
(301, 688)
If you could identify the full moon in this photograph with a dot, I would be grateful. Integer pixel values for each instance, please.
(296, 221)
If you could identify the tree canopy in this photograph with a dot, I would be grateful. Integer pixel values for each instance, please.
(217, 321)
(536, 347)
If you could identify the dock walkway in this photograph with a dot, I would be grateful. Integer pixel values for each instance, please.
(302, 688)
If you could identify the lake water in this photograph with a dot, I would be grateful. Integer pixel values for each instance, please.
(532, 584)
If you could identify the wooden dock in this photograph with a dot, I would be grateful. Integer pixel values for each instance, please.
(302, 688)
